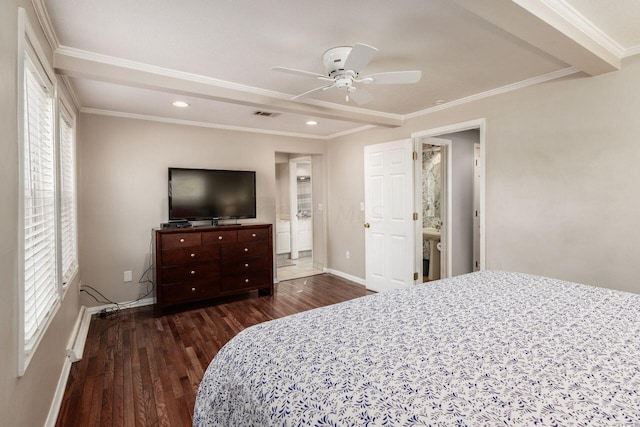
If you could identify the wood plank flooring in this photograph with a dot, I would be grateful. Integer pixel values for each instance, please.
(139, 370)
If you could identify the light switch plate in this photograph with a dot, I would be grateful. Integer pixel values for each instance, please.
(128, 276)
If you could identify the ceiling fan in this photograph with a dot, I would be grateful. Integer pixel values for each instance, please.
(343, 65)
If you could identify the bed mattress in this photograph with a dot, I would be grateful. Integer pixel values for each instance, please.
(484, 349)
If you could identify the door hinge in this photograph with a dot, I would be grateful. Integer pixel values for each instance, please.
(477, 264)
(476, 212)
(415, 216)
(415, 155)
(415, 276)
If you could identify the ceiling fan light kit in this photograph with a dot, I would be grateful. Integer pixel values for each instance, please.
(343, 65)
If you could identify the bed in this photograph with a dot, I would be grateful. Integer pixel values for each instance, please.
(484, 349)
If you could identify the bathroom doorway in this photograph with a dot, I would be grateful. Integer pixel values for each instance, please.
(294, 217)
(435, 196)
(450, 200)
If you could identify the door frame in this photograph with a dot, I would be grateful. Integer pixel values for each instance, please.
(481, 125)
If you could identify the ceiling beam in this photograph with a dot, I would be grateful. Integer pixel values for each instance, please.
(550, 26)
(82, 64)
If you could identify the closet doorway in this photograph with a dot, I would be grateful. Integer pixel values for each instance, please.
(294, 217)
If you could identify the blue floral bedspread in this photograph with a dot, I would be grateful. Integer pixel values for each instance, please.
(484, 349)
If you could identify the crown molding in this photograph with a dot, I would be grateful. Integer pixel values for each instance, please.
(198, 124)
(72, 92)
(579, 21)
(45, 23)
(631, 51)
(497, 91)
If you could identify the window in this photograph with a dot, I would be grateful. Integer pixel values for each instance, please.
(68, 228)
(47, 207)
(39, 204)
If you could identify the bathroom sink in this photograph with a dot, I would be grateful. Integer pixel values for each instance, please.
(431, 233)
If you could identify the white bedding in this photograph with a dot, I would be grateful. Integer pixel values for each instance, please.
(483, 349)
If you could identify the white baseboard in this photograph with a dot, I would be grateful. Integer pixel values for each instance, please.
(78, 337)
(130, 304)
(54, 409)
(358, 280)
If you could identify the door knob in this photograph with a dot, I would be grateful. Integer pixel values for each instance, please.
(367, 225)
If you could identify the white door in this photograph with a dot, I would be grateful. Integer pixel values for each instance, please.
(389, 224)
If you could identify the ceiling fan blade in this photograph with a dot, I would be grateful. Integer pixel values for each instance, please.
(393, 77)
(298, 72)
(311, 91)
(359, 57)
(361, 96)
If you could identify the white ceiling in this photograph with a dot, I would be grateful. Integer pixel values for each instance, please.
(236, 42)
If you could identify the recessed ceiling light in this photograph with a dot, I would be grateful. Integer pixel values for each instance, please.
(438, 102)
(180, 104)
(311, 123)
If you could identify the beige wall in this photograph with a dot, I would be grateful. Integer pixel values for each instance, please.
(123, 187)
(24, 401)
(561, 180)
(282, 190)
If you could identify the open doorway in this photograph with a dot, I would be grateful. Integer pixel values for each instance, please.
(294, 217)
(449, 198)
(435, 185)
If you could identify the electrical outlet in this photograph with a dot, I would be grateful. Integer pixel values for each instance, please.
(128, 276)
(348, 255)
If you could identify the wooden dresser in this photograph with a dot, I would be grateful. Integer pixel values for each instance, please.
(196, 264)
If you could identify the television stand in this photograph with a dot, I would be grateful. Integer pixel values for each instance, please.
(203, 263)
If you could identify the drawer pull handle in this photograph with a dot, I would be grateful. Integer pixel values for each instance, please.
(193, 272)
(219, 237)
(246, 280)
(246, 265)
(181, 240)
(246, 249)
(193, 255)
(193, 289)
(253, 235)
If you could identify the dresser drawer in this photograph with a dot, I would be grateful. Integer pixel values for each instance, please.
(252, 280)
(254, 234)
(221, 236)
(180, 240)
(231, 267)
(191, 255)
(189, 291)
(245, 250)
(191, 272)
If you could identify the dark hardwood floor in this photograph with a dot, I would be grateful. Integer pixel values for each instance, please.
(139, 370)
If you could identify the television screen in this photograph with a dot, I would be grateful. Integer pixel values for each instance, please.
(200, 194)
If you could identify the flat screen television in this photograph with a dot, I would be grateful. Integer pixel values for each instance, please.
(208, 194)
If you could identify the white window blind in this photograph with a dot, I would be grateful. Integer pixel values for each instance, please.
(40, 281)
(68, 227)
